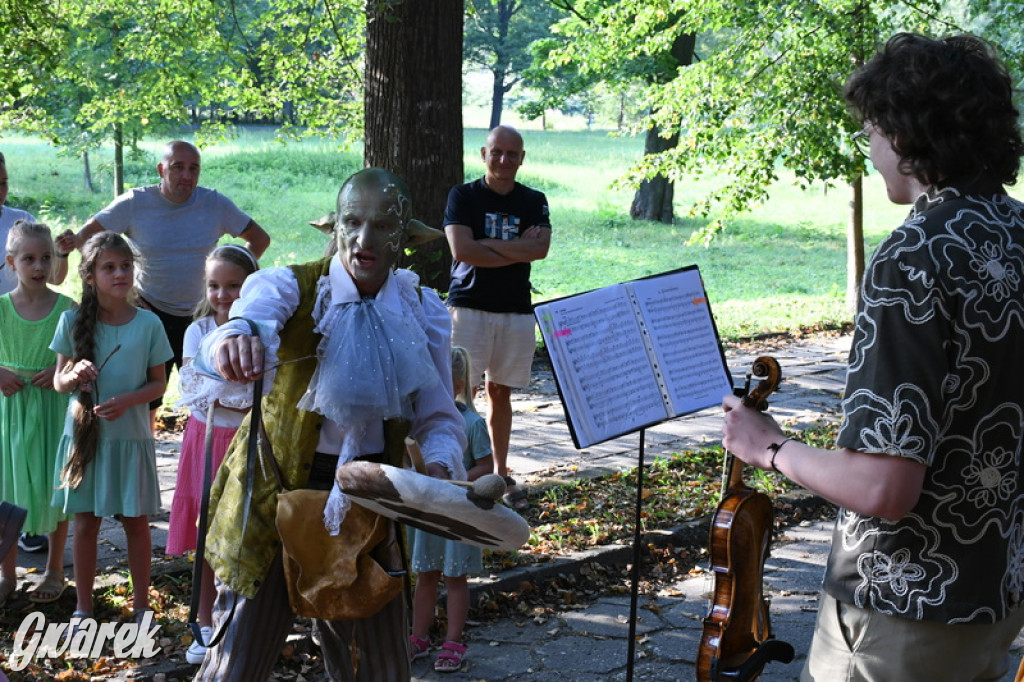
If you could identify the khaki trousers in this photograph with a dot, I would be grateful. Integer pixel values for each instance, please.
(859, 645)
(374, 649)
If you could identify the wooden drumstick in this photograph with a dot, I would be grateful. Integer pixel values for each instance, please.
(415, 456)
(488, 486)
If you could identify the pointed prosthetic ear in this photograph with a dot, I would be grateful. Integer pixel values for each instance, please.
(419, 233)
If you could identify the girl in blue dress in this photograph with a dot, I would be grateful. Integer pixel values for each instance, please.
(433, 556)
(110, 356)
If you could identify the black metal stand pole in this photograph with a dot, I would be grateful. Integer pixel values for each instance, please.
(634, 590)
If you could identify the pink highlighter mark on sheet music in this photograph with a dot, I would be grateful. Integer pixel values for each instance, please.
(563, 332)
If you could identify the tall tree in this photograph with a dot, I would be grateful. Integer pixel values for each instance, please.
(654, 198)
(498, 38)
(114, 72)
(623, 60)
(765, 97)
(413, 104)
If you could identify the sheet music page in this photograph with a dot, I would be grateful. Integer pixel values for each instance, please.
(678, 318)
(606, 378)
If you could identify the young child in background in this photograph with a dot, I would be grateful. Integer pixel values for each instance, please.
(226, 269)
(433, 555)
(31, 412)
(111, 355)
(9, 216)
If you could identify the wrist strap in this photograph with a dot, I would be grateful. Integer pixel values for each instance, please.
(775, 447)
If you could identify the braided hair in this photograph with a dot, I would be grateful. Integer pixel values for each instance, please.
(86, 433)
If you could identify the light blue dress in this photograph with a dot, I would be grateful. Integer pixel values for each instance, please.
(434, 553)
(122, 478)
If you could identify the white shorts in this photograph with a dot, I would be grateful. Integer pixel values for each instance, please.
(500, 345)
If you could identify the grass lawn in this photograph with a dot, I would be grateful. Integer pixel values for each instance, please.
(780, 267)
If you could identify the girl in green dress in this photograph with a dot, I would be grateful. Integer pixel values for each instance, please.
(31, 412)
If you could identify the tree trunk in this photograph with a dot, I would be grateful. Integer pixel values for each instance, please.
(653, 199)
(497, 99)
(413, 111)
(118, 159)
(855, 245)
(87, 171)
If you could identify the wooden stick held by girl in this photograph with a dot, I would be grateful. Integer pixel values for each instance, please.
(31, 412)
(433, 556)
(107, 457)
(226, 269)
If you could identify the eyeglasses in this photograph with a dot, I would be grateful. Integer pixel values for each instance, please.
(862, 143)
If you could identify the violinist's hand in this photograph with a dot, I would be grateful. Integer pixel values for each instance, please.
(10, 383)
(239, 358)
(435, 470)
(747, 432)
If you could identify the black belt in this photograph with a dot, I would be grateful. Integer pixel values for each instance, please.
(321, 471)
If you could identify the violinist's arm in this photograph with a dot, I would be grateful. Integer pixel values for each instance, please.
(868, 483)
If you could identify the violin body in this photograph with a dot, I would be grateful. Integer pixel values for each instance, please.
(737, 639)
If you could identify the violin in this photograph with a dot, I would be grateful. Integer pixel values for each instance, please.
(737, 640)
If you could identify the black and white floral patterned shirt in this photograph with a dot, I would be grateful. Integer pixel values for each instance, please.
(937, 375)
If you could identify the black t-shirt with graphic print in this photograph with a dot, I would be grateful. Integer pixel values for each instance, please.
(504, 289)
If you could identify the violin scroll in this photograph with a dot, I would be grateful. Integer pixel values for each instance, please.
(767, 367)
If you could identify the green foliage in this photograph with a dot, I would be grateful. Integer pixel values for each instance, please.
(764, 101)
(141, 68)
(779, 268)
(499, 35)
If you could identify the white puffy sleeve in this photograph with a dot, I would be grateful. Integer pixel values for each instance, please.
(269, 298)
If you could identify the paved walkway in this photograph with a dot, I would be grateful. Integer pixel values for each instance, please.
(590, 643)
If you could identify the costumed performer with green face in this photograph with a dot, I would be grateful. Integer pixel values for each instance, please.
(362, 352)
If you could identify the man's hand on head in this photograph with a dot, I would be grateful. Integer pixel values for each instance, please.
(240, 358)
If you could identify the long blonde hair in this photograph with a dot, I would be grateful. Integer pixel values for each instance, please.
(86, 433)
(462, 370)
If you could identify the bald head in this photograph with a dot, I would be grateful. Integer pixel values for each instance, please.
(179, 171)
(502, 155)
(178, 146)
(387, 187)
(373, 214)
(505, 134)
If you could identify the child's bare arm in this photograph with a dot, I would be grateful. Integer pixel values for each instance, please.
(113, 407)
(70, 375)
(44, 378)
(10, 383)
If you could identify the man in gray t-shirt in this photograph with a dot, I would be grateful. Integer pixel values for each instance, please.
(173, 225)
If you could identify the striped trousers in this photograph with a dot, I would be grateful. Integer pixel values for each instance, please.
(374, 649)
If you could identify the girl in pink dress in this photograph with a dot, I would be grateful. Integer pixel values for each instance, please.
(226, 269)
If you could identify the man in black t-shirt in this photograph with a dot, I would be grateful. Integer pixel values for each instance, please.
(496, 227)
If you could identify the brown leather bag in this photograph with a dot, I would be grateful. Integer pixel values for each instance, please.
(333, 577)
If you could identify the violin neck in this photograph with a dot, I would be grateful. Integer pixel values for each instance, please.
(733, 479)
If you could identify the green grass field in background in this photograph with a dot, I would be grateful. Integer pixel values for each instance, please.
(780, 267)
